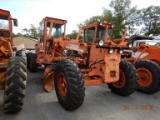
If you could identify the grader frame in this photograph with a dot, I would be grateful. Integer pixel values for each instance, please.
(12, 66)
(74, 63)
(146, 61)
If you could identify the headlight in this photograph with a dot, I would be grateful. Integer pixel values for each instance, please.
(111, 50)
(120, 51)
(130, 45)
(101, 42)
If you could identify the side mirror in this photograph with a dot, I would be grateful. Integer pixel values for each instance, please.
(15, 22)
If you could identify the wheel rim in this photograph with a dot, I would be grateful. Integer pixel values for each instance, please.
(145, 77)
(62, 85)
(121, 82)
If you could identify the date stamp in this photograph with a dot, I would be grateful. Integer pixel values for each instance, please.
(138, 107)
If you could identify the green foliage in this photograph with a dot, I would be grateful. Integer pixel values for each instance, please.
(73, 35)
(121, 14)
(150, 17)
(107, 15)
(32, 32)
(17, 35)
(90, 20)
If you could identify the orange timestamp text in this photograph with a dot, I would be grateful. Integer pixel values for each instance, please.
(138, 107)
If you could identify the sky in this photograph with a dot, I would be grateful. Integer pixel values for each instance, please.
(74, 11)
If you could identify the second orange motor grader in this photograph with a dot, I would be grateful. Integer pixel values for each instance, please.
(146, 58)
(71, 64)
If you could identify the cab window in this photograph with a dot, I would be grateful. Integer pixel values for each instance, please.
(56, 30)
(110, 30)
(4, 23)
(89, 35)
(41, 33)
(100, 32)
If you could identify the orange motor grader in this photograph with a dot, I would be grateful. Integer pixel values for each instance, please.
(71, 64)
(146, 58)
(12, 66)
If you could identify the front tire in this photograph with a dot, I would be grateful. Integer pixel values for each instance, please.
(28, 55)
(69, 85)
(149, 76)
(15, 85)
(127, 83)
(33, 63)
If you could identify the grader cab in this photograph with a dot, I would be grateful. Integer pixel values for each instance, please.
(71, 64)
(50, 28)
(12, 66)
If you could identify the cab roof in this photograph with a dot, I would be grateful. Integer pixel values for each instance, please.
(54, 20)
(103, 24)
(4, 14)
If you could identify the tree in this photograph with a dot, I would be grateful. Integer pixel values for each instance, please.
(150, 17)
(32, 32)
(18, 34)
(122, 15)
(107, 15)
(90, 20)
(74, 34)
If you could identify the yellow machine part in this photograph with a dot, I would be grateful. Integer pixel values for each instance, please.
(3, 50)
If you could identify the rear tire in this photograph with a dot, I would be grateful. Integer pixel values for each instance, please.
(149, 76)
(15, 85)
(127, 83)
(28, 55)
(33, 63)
(69, 85)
